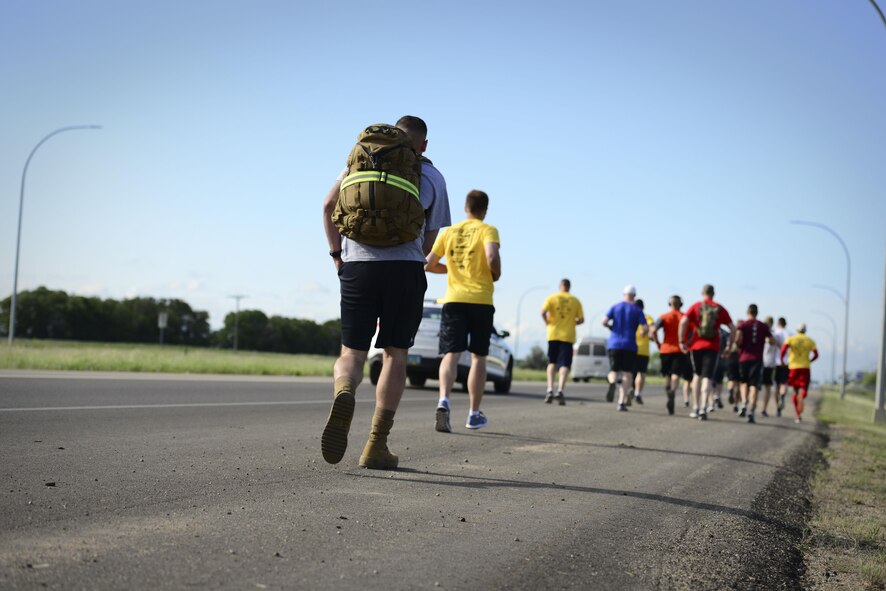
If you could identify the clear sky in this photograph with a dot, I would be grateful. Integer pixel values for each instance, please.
(664, 144)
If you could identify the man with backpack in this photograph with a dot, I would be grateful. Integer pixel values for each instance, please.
(704, 318)
(381, 217)
(473, 264)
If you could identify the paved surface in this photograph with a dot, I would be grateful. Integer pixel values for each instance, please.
(146, 482)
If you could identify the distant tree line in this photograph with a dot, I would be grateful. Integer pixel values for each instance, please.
(48, 314)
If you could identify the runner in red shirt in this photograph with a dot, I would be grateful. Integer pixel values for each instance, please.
(673, 361)
(704, 318)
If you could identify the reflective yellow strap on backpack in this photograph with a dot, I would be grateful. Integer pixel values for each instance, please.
(369, 176)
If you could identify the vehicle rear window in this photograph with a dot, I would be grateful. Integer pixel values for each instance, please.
(432, 313)
(599, 351)
(584, 349)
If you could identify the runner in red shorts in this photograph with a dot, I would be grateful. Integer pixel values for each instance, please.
(799, 346)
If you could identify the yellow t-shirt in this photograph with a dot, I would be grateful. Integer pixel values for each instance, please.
(563, 310)
(798, 354)
(643, 342)
(469, 279)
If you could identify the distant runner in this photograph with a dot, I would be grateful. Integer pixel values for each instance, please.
(770, 360)
(705, 317)
(673, 361)
(751, 339)
(799, 346)
(561, 313)
(641, 364)
(781, 371)
(623, 319)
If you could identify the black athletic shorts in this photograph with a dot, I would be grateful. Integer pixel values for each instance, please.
(622, 360)
(732, 370)
(672, 364)
(688, 374)
(641, 364)
(389, 293)
(466, 327)
(750, 372)
(704, 362)
(560, 354)
(768, 374)
(781, 374)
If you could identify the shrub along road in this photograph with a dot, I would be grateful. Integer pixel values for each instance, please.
(144, 482)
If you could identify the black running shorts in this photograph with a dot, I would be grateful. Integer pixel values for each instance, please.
(732, 371)
(641, 364)
(388, 295)
(560, 354)
(672, 364)
(466, 327)
(781, 375)
(750, 372)
(704, 362)
(622, 360)
(768, 374)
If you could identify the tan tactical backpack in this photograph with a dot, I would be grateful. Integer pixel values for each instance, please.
(379, 201)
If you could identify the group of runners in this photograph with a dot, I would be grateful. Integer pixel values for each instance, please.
(386, 230)
(699, 349)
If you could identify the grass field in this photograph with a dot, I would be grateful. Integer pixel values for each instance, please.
(845, 545)
(78, 356)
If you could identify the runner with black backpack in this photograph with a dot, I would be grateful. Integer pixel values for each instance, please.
(705, 318)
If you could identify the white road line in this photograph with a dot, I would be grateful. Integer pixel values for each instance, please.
(178, 405)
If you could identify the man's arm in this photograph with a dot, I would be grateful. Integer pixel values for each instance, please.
(654, 333)
(428, 242)
(494, 259)
(333, 237)
(732, 340)
(681, 334)
(814, 355)
(434, 265)
(605, 322)
(644, 326)
(784, 349)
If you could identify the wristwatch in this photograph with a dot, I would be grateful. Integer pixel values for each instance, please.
(336, 254)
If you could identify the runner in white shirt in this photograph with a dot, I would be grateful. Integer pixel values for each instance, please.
(770, 360)
(781, 334)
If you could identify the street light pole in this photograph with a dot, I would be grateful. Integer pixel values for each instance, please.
(518, 331)
(21, 205)
(834, 340)
(879, 411)
(845, 298)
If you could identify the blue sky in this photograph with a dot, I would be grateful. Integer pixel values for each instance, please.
(664, 144)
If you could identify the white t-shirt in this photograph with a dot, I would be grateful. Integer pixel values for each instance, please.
(772, 353)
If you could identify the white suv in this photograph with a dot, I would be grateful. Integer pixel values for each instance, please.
(423, 361)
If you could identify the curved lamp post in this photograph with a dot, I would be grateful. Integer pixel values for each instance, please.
(845, 296)
(21, 203)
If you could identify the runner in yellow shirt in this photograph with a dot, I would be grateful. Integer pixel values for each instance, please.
(799, 346)
(561, 312)
(472, 265)
(641, 362)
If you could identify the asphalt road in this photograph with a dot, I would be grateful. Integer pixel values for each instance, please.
(147, 482)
